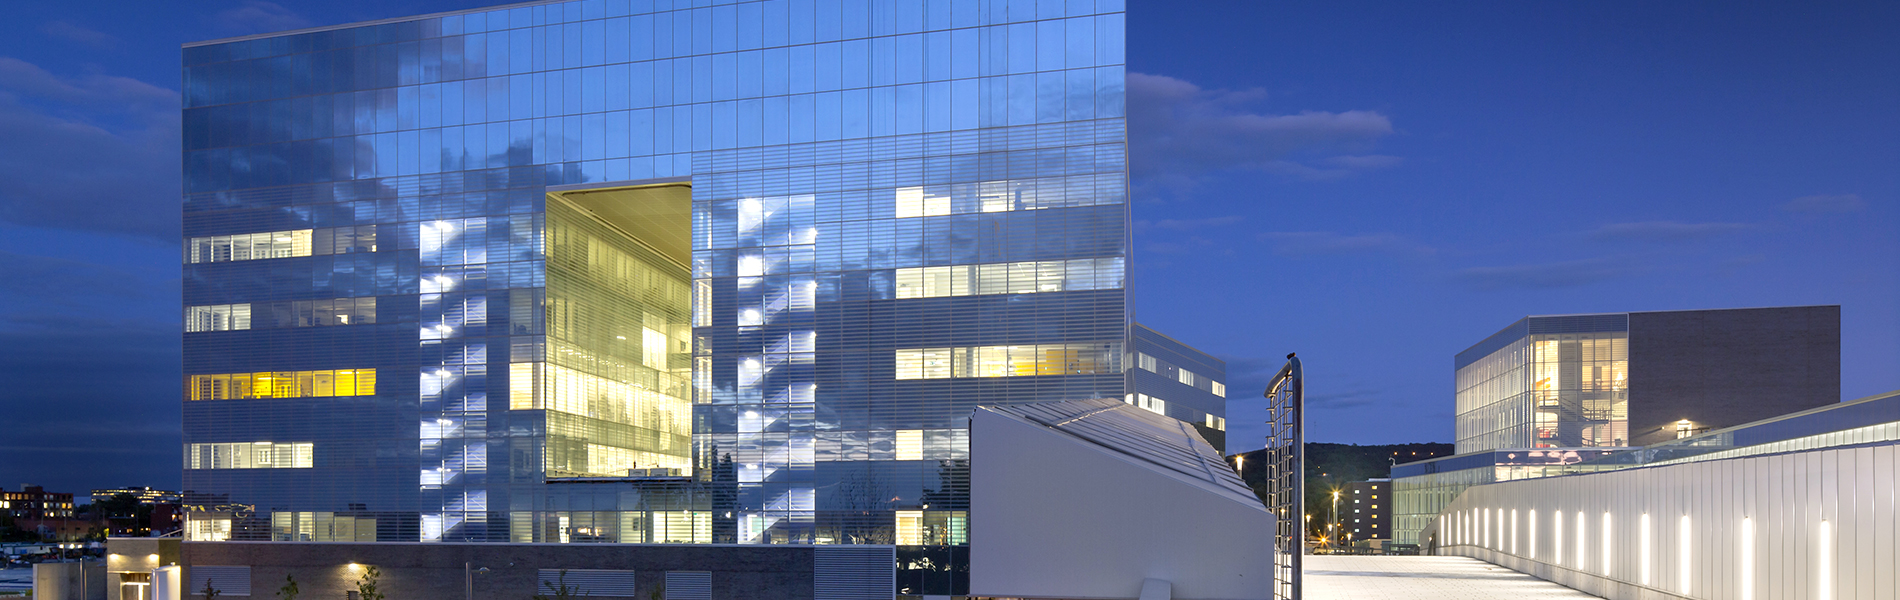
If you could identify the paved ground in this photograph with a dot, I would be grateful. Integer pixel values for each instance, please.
(16, 580)
(1424, 578)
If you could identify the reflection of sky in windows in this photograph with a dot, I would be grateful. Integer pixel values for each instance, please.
(840, 165)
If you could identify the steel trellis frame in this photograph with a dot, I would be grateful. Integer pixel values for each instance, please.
(1286, 488)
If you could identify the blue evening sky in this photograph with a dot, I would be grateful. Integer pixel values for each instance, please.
(1374, 185)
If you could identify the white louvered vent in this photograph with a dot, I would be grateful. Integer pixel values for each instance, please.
(229, 581)
(591, 582)
(688, 585)
(854, 572)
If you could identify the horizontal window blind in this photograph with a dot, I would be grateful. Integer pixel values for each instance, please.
(854, 572)
(688, 585)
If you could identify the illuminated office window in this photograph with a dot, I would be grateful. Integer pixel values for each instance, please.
(1006, 361)
(914, 202)
(250, 455)
(932, 527)
(273, 315)
(248, 246)
(1010, 278)
(1007, 195)
(281, 244)
(910, 528)
(653, 349)
(910, 444)
(222, 317)
(283, 384)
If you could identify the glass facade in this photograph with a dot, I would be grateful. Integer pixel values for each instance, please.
(1546, 382)
(871, 183)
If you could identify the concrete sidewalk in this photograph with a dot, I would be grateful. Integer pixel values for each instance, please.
(1424, 578)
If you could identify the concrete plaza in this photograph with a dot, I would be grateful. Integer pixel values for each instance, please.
(1423, 578)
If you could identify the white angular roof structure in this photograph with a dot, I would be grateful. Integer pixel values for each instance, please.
(1094, 498)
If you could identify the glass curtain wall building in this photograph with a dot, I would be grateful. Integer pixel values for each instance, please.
(1546, 382)
(434, 264)
(1553, 394)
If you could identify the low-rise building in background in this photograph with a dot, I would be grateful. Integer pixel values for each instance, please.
(34, 502)
(1370, 517)
(1553, 395)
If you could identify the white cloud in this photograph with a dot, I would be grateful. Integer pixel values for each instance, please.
(256, 16)
(92, 152)
(1840, 203)
(76, 33)
(1665, 231)
(1304, 243)
(1545, 276)
(1179, 131)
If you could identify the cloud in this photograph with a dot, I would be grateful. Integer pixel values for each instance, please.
(1664, 231)
(86, 408)
(1342, 399)
(1841, 203)
(53, 277)
(1187, 224)
(1544, 276)
(93, 152)
(1366, 162)
(1179, 131)
(75, 33)
(1248, 377)
(1307, 243)
(257, 16)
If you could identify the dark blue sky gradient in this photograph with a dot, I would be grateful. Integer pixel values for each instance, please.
(1374, 185)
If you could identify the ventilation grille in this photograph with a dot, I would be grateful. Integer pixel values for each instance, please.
(229, 581)
(590, 582)
(854, 572)
(688, 585)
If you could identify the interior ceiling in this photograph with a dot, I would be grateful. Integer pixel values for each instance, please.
(660, 216)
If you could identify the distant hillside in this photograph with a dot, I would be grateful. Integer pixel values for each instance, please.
(1331, 466)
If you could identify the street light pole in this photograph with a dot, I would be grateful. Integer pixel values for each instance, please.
(469, 571)
(1335, 513)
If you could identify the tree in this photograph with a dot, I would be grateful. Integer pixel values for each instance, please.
(209, 592)
(119, 505)
(366, 585)
(562, 591)
(289, 591)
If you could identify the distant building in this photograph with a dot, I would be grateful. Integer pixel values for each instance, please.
(145, 495)
(1631, 379)
(1371, 513)
(1174, 379)
(1552, 395)
(34, 502)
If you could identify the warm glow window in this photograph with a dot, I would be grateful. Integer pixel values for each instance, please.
(281, 244)
(282, 384)
(1007, 195)
(1010, 278)
(1007, 361)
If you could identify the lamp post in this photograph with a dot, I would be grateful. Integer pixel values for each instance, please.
(1335, 509)
(469, 571)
